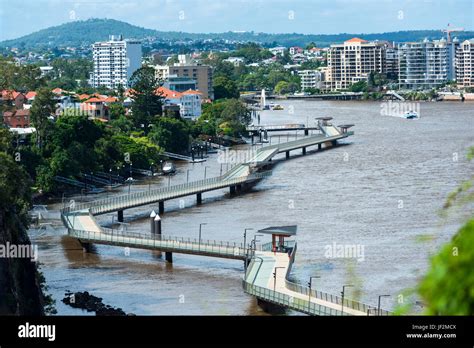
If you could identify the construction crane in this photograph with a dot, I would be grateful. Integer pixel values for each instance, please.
(450, 30)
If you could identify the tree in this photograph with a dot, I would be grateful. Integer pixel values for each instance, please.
(116, 110)
(360, 86)
(147, 104)
(235, 116)
(284, 87)
(43, 107)
(225, 88)
(171, 134)
(448, 286)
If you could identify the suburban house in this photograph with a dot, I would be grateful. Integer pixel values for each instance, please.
(17, 118)
(13, 98)
(189, 102)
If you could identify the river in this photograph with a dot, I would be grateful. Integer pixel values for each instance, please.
(381, 192)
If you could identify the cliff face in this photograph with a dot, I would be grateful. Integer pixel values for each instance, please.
(20, 291)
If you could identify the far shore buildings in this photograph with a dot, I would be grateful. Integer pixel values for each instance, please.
(427, 64)
(310, 79)
(465, 64)
(187, 72)
(115, 61)
(353, 61)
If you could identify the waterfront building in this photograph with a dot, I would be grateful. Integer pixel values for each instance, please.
(115, 61)
(310, 79)
(353, 61)
(427, 64)
(465, 64)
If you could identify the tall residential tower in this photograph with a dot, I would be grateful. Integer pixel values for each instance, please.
(115, 61)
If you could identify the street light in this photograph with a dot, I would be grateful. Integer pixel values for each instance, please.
(245, 247)
(205, 172)
(343, 291)
(187, 176)
(378, 307)
(200, 229)
(130, 178)
(309, 284)
(275, 277)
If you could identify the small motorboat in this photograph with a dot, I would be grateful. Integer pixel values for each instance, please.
(169, 168)
(410, 115)
(277, 107)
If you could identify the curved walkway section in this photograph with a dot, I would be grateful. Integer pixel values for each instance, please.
(267, 279)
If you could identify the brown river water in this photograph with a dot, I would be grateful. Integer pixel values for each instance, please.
(381, 192)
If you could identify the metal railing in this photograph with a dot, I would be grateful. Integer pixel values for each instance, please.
(302, 305)
(162, 194)
(161, 243)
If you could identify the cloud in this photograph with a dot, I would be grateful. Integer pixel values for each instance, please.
(310, 16)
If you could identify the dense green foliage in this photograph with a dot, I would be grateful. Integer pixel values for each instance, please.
(448, 287)
(146, 103)
(19, 77)
(224, 117)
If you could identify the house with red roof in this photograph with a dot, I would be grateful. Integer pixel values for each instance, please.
(13, 98)
(17, 118)
(189, 101)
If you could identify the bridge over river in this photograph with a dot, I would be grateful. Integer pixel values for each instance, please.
(261, 279)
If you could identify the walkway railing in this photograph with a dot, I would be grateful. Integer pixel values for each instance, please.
(162, 194)
(302, 305)
(161, 243)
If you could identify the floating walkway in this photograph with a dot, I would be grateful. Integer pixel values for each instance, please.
(267, 267)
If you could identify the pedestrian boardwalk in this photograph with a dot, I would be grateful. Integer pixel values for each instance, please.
(266, 276)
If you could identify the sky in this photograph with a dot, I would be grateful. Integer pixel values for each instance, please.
(272, 16)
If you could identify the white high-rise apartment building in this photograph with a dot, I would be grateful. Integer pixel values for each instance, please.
(425, 65)
(115, 61)
(353, 61)
(465, 64)
(310, 79)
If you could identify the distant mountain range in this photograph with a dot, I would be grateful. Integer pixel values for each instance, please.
(81, 33)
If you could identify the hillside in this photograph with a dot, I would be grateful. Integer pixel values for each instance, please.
(80, 33)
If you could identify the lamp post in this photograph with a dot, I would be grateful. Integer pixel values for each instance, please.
(309, 284)
(200, 229)
(275, 277)
(187, 176)
(378, 307)
(343, 292)
(245, 247)
(130, 178)
(110, 177)
(205, 172)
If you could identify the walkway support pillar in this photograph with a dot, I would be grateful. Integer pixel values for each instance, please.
(306, 132)
(152, 222)
(232, 190)
(120, 216)
(319, 146)
(199, 198)
(334, 143)
(161, 207)
(304, 150)
(169, 257)
(157, 225)
(86, 247)
(287, 154)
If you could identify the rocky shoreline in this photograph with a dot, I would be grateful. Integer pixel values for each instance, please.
(91, 303)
